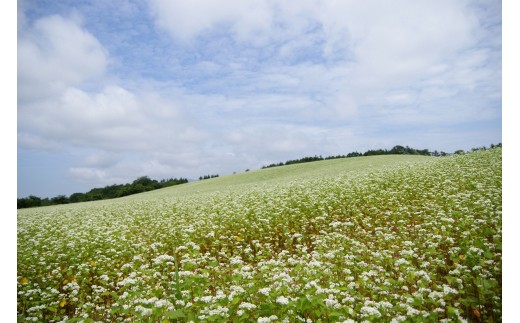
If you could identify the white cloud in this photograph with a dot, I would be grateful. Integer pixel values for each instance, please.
(185, 20)
(90, 175)
(100, 159)
(34, 142)
(55, 52)
(113, 119)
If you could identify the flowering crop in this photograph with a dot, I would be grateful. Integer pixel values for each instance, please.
(417, 240)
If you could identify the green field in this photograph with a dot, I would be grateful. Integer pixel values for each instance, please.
(383, 238)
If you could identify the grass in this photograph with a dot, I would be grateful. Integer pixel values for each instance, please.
(386, 238)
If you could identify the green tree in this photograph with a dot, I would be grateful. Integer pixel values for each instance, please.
(76, 197)
(60, 199)
(30, 201)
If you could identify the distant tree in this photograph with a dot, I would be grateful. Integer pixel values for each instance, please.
(30, 201)
(93, 196)
(46, 202)
(208, 176)
(478, 148)
(76, 197)
(173, 181)
(144, 181)
(113, 191)
(60, 199)
(375, 152)
(133, 189)
(139, 185)
(21, 203)
(424, 152)
(399, 150)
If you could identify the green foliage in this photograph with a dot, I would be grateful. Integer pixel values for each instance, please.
(30, 201)
(207, 177)
(141, 184)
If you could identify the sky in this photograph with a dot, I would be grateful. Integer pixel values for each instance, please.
(108, 91)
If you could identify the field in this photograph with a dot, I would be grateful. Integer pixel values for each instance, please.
(386, 238)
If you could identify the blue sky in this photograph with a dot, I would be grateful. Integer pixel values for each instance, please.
(112, 90)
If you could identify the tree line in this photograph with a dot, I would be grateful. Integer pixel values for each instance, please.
(207, 177)
(141, 184)
(396, 150)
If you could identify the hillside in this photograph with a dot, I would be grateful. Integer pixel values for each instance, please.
(389, 238)
(285, 174)
(145, 184)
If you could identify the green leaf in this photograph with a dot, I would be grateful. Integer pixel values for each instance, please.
(470, 300)
(336, 314)
(175, 314)
(450, 279)
(265, 309)
(490, 283)
(417, 301)
(304, 304)
(452, 310)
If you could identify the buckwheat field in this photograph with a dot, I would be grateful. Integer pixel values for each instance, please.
(376, 239)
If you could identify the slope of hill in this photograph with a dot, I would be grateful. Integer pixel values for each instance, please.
(285, 174)
(387, 238)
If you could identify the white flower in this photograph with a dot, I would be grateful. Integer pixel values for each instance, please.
(163, 258)
(206, 299)
(369, 311)
(162, 303)
(247, 306)
(331, 302)
(144, 311)
(400, 261)
(282, 300)
(449, 290)
(265, 291)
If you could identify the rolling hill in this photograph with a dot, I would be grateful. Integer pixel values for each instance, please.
(392, 238)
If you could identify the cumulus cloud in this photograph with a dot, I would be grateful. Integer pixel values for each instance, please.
(54, 52)
(184, 20)
(112, 120)
(405, 38)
